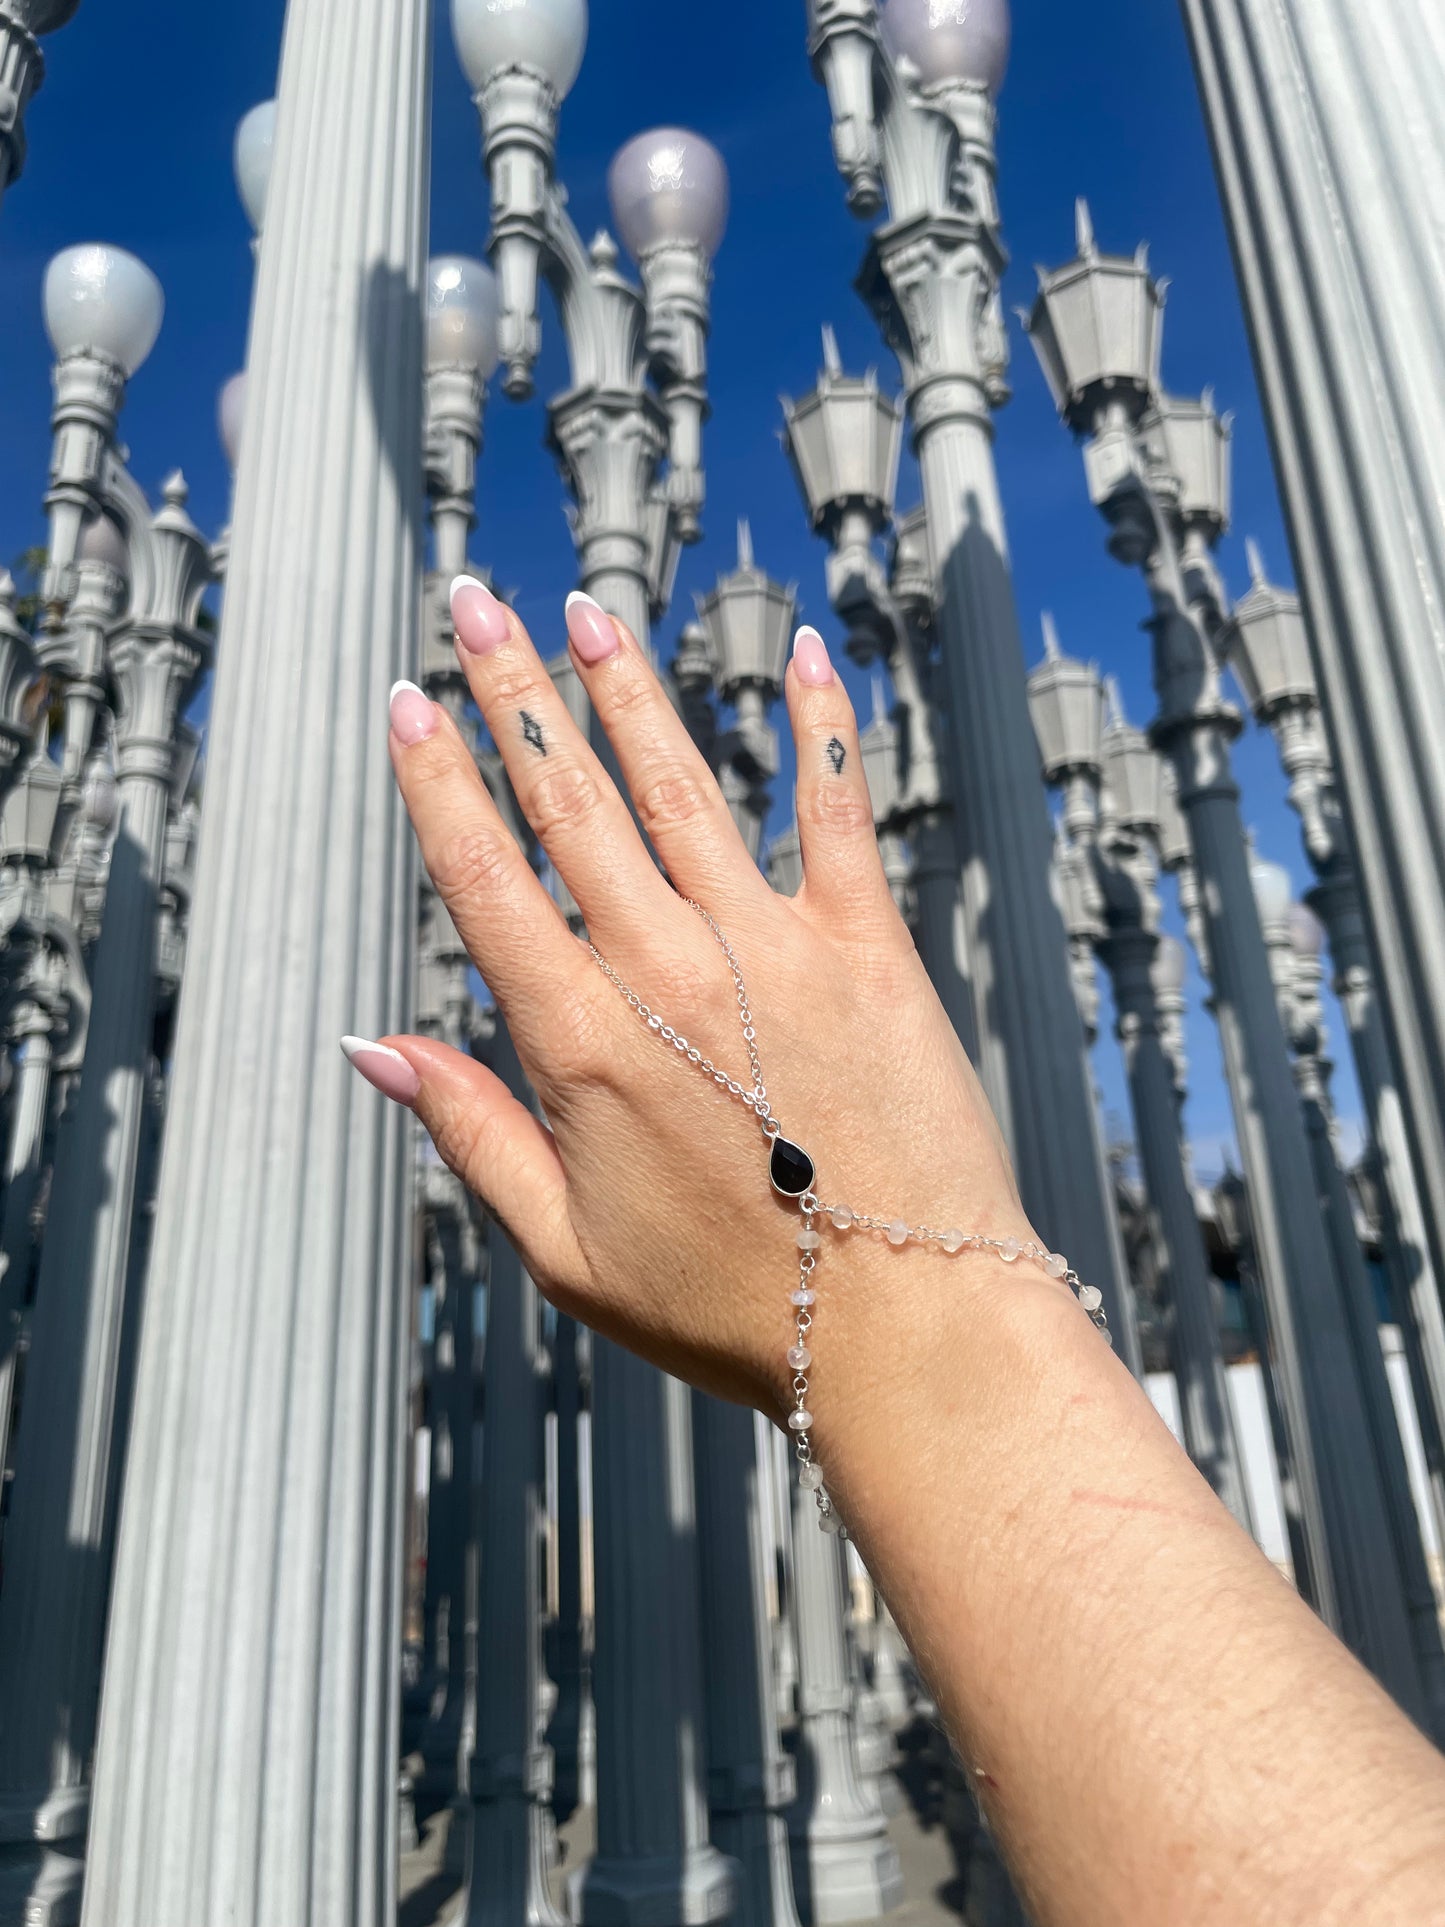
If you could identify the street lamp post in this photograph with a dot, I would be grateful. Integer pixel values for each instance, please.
(843, 441)
(1294, 939)
(22, 70)
(249, 1737)
(746, 623)
(635, 403)
(1343, 282)
(1269, 652)
(1096, 328)
(1110, 778)
(911, 89)
(52, 1611)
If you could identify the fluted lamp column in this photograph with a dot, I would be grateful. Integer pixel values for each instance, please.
(248, 1748)
(932, 278)
(68, 1470)
(1328, 137)
(610, 430)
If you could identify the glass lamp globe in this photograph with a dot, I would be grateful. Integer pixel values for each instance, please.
(101, 540)
(668, 185)
(549, 36)
(1273, 891)
(254, 152)
(101, 300)
(951, 39)
(462, 306)
(230, 417)
(1306, 932)
(43, 16)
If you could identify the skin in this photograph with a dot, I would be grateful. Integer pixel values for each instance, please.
(1159, 1729)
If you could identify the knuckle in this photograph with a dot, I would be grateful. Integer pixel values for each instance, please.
(838, 809)
(630, 695)
(470, 861)
(671, 800)
(470, 1143)
(510, 685)
(582, 1045)
(562, 796)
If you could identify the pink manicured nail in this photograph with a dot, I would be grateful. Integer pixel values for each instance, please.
(414, 716)
(810, 659)
(384, 1067)
(479, 619)
(593, 632)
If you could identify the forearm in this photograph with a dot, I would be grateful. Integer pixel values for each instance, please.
(1157, 1726)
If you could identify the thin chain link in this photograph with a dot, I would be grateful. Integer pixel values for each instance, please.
(840, 1216)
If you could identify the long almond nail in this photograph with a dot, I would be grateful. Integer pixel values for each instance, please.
(479, 619)
(384, 1068)
(593, 632)
(810, 659)
(414, 716)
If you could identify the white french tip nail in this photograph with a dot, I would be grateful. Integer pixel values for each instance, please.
(465, 582)
(403, 684)
(354, 1046)
(577, 595)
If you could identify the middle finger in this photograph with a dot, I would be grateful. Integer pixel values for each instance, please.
(565, 793)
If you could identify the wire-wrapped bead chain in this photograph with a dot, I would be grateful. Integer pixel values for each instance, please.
(793, 1175)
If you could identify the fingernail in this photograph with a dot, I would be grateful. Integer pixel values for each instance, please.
(414, 716)
(593, 632)
(383, 1067)
(810, 659)
(479, 619)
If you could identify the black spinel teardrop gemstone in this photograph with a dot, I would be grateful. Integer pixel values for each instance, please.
(791, 1169)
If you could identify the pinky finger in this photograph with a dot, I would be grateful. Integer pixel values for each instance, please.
(842, 870)
(494, 1144)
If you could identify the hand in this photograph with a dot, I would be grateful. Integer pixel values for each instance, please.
(642, 1206)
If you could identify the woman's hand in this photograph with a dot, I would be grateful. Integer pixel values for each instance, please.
(642, 1206)
(1159, 1729)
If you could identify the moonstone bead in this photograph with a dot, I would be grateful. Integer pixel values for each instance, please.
(842, 1217)
(799, 1357)
(1091, 1298)
(954, 1241)
(810, 1477)
(1056, 1264)
(808, 1240)
(800, 1421)
(898, 1232)
(1009, 1250)
(830, 1522)
(805, 1297)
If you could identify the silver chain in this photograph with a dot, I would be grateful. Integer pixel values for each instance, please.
(841, 1217)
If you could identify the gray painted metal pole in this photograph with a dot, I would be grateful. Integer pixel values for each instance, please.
(1128, 953)
(511, 1771)
(1329, 141)
(1030, 1042)
(845, 1867)
(750, 1777)
(249, 1731)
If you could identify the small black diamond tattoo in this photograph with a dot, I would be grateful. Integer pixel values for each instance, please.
(837, 755)
(532, 732)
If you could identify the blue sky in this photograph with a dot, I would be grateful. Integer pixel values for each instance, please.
(131, 143)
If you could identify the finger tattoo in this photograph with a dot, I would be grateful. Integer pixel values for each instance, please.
(532, 732)
(837, 755)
